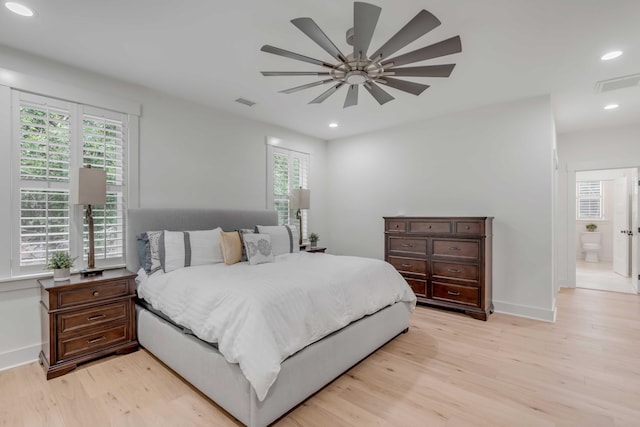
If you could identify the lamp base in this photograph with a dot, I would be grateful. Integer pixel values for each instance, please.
(90, 272)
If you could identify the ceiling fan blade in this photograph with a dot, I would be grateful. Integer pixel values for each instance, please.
(352, 96)
(420, 25)
(405, 86)
(307, 86)
(426, 71)
(378, 93)
(365, 18)
(324, 95)
(292, 73)
(311, 29)
(443, 48)
(293, 55)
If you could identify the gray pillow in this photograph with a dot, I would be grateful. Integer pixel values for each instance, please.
(258, 248)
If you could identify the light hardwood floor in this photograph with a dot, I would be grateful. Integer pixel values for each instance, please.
(449, 370)
(600, 276)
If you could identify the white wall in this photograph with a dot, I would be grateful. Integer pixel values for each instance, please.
(607, 148)
(190, 155)
(496, 161)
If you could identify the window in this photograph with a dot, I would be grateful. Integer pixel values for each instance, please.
(52, 140)
(589, 199)
(287, 169)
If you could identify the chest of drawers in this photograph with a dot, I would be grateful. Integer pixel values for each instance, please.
(86, 318)
(446, 260)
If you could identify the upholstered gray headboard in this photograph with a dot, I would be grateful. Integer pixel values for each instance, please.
(151, 219)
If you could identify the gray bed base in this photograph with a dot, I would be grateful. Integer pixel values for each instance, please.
(203, 366)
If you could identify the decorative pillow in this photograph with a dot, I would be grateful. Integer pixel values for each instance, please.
(231, 247)
(152, 253)
(285, 239)
(242, 233)
(258, 248)
(186, 248)
(142, 245)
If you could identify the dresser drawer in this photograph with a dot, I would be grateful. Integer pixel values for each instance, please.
(90, 317)
(419, 287)
(407, 245)
(430, 227)
(455, 271)
(97, 340)
(468, 295)
(469, 227)
(88, 294)
(465, 249)
(409, 265)
(396, 225)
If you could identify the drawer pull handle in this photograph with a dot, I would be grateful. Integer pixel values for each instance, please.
(455, 294)
(99, 316)
(406, 265)
(453, 270)
(397, 225)
(96, 293)
(406, 245)
(429, 227)
(453, 248)
(467, 227)
(96, 339)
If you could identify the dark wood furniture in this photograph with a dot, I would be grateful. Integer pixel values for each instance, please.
(446, 260)
(85, 318)
(314, 249)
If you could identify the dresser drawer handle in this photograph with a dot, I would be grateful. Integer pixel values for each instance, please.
(99, 316)
(96, 340)
(453, 270)
(429, 227)
(407, 245)
(455, 294)
(406, 265)
(96, 293)
(397, 225)
(453, 248)
(467, 227)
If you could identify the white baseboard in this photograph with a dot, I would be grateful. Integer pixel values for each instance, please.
(536, 313)
(20, 356)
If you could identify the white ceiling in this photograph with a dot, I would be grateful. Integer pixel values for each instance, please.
(209, 51)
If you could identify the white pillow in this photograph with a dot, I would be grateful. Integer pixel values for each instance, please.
(258, 248)
(186, 248)
(285, 239)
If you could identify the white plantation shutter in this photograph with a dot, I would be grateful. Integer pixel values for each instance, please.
(589, 199)
(53, 139)
(286, 170)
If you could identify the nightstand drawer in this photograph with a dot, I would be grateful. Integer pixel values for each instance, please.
(409, 265)
(468, 295)
(89, 294)
(455, 271)
(456, 248)
(410, 246)
(84, 344)
(82, 319)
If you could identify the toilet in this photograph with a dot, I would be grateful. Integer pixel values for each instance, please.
(590, 245)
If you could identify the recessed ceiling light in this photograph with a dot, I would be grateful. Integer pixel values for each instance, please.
(18, 8)
(611, 55)
(611, 106)
(333, 125)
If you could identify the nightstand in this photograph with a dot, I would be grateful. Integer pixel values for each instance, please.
(313, 249)
(85, 318)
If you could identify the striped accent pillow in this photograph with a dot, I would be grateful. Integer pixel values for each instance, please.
(285, 239)
(180, 249)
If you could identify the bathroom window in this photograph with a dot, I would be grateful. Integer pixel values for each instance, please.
(589, 199)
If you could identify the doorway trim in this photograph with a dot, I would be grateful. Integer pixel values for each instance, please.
(602, 164)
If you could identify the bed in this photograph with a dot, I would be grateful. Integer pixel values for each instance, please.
(202, 364)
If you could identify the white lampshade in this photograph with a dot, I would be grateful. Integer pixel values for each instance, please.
(92, 187)
(301, 198)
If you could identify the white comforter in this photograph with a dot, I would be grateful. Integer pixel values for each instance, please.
(261, 314)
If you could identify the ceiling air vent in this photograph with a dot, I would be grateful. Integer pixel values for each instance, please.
(245, 102)
(618, 83)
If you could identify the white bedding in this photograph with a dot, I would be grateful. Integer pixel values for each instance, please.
(261, 314)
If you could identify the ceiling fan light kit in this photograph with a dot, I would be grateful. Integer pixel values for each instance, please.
(360, 69)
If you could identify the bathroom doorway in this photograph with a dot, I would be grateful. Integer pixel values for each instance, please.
(605, 211)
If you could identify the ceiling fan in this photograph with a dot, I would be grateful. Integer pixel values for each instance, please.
(358, 68)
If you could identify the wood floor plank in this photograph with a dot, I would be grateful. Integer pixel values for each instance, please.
(448, 371)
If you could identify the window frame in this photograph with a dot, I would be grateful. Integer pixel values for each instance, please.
(599, 197)
(10, 96)
(292, 155)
